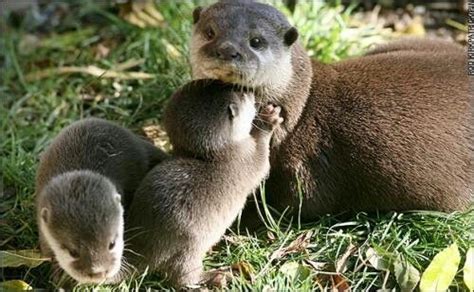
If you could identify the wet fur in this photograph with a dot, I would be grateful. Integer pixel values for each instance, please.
(388, 131)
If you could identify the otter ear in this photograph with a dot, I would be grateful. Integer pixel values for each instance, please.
(196, 14)
(118, 198)
(233, 110)
(44, 215)
(291, 36)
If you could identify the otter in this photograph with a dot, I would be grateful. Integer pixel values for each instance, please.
(84, 180)
(417, 44)
(184, 205)
(391, 130)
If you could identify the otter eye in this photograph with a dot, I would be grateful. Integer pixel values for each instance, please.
(256, 43)
(210, 34)
(73, 253)
(112, 245)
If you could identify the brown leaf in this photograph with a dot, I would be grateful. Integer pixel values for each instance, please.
(244, 269)
(235, 239)
(339, 283)
(100, 51)
(158, 135)
(297, 245)
(216, 278)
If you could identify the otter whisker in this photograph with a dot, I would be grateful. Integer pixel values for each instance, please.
(259, 128)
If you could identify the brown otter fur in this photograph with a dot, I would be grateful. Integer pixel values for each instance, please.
(416, 44)
(388, 131)
(85, 179)
(184, 205)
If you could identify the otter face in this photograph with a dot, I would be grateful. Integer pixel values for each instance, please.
(82, 221)
(244, 43)
(205, 116)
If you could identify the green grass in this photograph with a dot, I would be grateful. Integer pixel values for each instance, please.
(33, 112)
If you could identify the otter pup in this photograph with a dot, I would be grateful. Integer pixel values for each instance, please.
(388, 131)
(91, 168)
(219, 160)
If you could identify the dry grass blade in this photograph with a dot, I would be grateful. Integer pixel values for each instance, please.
(341, 263)
(129, 64)
(91, 70)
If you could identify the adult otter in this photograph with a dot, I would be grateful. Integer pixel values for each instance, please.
(184, 205)
(84, 176)
(386, 131)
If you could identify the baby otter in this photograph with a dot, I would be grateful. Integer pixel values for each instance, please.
(388, 131)
(184, 205)
(91, 168)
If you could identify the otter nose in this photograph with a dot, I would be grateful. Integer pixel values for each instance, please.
(228, 52)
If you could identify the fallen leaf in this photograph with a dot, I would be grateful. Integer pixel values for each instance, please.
(377, 261)
(244, 269)
(157, 134)
(295, 271)
(341, 263)
(406, 274)
(469, 269)
(29, 257)
(317, 266)
(441, 271)
(14, 285)
(217, 277)
(100, 51)
(339, 284)
(297, 245)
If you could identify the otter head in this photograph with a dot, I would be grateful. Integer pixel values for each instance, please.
(243, 42)
(205, 116)
(81, 218)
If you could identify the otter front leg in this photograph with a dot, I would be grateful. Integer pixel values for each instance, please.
(185, 270)
(267, 120)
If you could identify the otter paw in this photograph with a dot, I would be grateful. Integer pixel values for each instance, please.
(270, 114)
